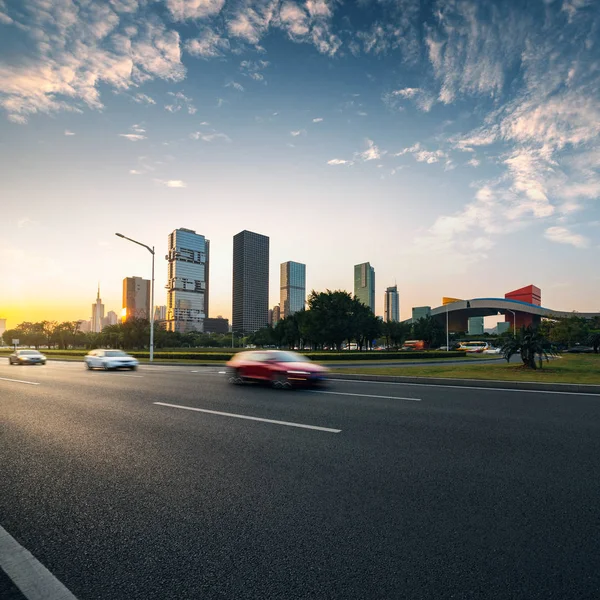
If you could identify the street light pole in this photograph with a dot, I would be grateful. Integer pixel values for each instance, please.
(447, 332)
(151, 250)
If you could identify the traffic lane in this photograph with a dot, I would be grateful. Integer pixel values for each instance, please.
(192, 503)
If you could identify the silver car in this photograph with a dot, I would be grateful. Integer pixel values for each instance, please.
(27, 357)
(110, 359)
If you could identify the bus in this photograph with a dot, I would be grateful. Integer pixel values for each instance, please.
(414, 345)
(473, 346)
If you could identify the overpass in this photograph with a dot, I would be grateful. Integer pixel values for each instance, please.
(460, 311)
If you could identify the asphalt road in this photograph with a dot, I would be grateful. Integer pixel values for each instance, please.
(407, 491)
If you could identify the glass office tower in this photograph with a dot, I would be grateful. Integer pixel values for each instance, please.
(391, 311)
(292, 288)
(187, 287)
(364, 284)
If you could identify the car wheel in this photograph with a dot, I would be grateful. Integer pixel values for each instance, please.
(133, 368)
(105, 367)
(234, 377)
(281, 381)
(89, 367)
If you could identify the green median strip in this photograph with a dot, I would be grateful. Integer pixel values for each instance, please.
(581, 369)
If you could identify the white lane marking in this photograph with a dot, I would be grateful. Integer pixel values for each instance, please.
(363, 395)
(222, 372)
(19, 381)
(126, 375)
(236, 416)
(467, 387)
(193, 371)
(27, 573)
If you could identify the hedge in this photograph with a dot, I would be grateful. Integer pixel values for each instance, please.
(318, 356)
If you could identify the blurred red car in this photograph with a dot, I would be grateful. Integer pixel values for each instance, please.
(281, 368)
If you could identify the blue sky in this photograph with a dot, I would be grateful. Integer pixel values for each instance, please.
(453, 144)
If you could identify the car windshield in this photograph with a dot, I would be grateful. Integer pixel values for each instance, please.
(287, 357)
(29, 352)
(115, 353)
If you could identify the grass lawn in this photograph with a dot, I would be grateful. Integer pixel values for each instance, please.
(582, 368)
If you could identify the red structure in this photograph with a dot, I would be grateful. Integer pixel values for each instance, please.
(530, 294)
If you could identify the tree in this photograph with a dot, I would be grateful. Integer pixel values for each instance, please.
(569, 331)
(531, 344)
(594, 340)
(429, 330)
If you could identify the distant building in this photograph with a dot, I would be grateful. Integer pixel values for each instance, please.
(85, 326)
(475, 326)
(160, 313)
(2, 326)
(97, 314)
(216, 325)
(270, 319)
(250, 310)
(530, 294)
(136, 298)
(391, 306)
(502, 327)
(275, 315)
(292, 287)
(111, 318)
(188, 286)
(420, 312)
(364, 284)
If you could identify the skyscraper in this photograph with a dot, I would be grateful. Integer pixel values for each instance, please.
(250, 281)
(187, 287)
(111, 318)
(136, 298)
(292, 288)
(97, 314)
(364, 284)
(275, 315)
(391, 307)
(476, 326)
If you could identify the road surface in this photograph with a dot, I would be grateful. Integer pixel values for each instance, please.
(365, 490)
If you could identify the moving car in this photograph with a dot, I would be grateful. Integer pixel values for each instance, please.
(281, 368)
(492, 350)
(27, 357)
(580, 350)
(474, 346)
(110, 359)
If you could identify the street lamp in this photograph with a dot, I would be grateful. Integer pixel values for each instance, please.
(514, 321)
(151, 250)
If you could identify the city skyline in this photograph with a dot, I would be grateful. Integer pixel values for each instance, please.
(429, 138)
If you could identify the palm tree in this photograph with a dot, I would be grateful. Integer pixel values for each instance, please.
(531, 344)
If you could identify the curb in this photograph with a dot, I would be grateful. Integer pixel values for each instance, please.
(480, 383)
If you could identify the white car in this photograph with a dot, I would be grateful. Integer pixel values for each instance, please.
(492, 351)
(110, 359)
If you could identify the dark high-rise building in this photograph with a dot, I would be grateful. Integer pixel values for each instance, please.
(292, 288)
(250, 281)
(216, 325)
(364, 284)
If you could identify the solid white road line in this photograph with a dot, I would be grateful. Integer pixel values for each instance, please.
(235, 416)
(19, 381)
(467, 387)
(363, 395)
(27, 573)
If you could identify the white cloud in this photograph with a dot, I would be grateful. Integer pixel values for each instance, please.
(423, 99)
(339, 161)
(208, 45)
(135, 172)
(210, 136)
(253, 69)
(561, 235)
(194, 9)
(76, 48)
(298, 132)
(474, 162)
(67, 132)
(372, 152)
(171, 183)
(318, 120)
(236, 86)
(361, 113)
(422, 155)
(143, 99)
(294, 19)
(180, 101)
(133, 137)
